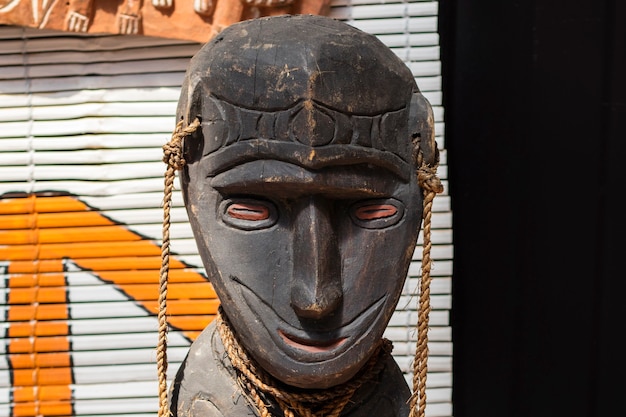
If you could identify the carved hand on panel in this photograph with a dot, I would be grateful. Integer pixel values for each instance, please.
(267, 3)
(129, 20)
(202, 7)
(77, 19)
(162, 4)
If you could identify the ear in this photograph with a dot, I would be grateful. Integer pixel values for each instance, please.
(189, 109)
(190, 100)
(422, 131)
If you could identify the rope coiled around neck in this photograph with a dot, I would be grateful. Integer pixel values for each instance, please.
(257, 383)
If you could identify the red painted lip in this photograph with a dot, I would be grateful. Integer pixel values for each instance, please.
(312, 346)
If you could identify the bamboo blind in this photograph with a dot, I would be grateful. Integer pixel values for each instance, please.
(83, 118)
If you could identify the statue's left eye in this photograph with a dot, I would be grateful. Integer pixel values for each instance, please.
(248, 213)
(377, 213)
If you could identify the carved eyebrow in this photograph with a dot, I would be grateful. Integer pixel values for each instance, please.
(291, 180)
(304, 156)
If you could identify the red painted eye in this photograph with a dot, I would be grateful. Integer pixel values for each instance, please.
(248, 211)
(375, 211)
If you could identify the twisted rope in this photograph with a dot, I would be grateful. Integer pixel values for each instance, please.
(318, 403)
(431, 186)
(173, 157)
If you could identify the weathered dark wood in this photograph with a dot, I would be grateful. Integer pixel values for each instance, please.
(301, 190)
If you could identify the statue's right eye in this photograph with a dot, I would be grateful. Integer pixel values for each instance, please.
(248, 213)
(377, 213)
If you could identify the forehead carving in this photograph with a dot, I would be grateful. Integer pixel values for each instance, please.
(302, 88)
(232, 134)
(273, 63)
(306, 122)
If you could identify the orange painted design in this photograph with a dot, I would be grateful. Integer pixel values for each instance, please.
(196, 322)
(41, 236)
(39, 360)
(24, 394)
(40, 312)
(43, 376)
(40, 232)
(43, 408)
(29, 338)
(192, 290)
(79, 250)
(45, 393)
(40, 344)
(193, 335)
(40, 295)
(39, 328)
(185, 307)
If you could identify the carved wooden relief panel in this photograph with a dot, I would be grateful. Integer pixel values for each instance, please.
(197, 20)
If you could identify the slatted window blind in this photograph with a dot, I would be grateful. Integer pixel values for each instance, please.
(82, 122)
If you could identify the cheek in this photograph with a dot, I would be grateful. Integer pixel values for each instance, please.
(375, 262)
(258, 260)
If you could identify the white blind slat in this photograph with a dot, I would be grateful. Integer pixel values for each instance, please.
(87, 115)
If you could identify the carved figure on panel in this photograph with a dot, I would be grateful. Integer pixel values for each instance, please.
(303, 142)
(197, 20)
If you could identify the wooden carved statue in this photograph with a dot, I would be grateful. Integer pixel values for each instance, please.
(302, 142)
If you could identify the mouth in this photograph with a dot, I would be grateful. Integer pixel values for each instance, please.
(309, 345)
(315, 346)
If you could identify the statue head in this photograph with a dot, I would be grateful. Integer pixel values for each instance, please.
(301, 188)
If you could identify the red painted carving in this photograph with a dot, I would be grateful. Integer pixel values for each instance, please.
(375, 211)
(248, 211)
(197, 20)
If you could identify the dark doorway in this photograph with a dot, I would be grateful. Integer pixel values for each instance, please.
(535, 101)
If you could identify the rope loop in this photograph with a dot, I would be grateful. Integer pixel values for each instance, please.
(428, 179)
(173, 150)
(297, 403)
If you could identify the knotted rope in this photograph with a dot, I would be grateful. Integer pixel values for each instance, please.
(295, 403)
(173, 157)
(431, 186)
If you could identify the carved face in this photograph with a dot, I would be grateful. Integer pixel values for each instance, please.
(308, 264)
(301, 190)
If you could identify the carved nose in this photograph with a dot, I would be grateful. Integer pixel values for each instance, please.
(316, 291)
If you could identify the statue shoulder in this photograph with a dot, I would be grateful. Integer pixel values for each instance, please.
(388, 396)
(205, 385)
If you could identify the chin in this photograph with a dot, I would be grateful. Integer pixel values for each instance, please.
(323, 368)
(315, 376)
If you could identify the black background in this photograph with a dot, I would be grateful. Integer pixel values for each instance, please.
(535, 115)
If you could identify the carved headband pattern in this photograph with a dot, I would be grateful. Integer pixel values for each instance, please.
(306, 122)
